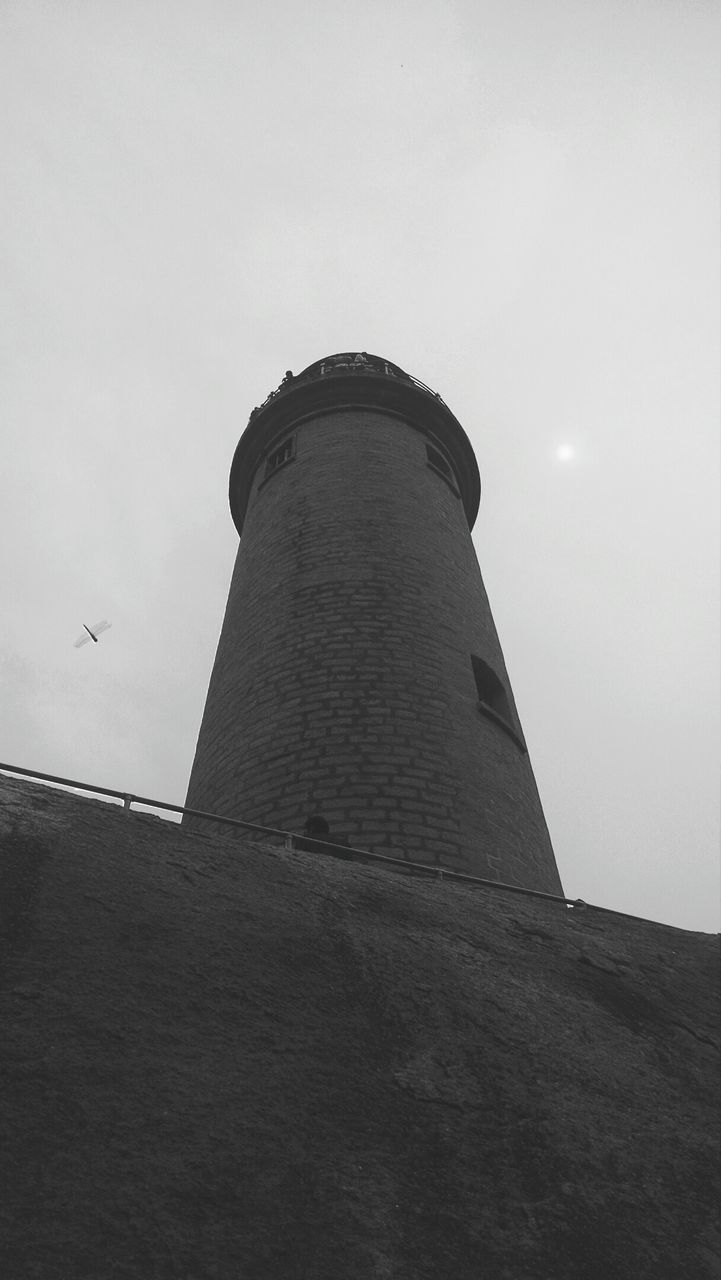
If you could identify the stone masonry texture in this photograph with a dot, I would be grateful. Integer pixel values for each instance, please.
(343, 679)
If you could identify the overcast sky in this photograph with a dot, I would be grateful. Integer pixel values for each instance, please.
(516, 201)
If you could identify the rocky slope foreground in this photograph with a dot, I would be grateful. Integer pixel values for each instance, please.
(223, 1059)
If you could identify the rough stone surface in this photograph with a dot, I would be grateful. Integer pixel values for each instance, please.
(343, 678)
(222, 1059)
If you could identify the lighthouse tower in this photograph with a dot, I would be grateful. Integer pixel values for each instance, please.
(358, 674)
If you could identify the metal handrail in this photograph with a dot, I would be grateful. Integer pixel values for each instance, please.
(289, 837)
(386, 371)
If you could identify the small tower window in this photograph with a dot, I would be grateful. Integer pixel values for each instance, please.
(280, 456)
(490, 689)
(493, 699)
(442, 466)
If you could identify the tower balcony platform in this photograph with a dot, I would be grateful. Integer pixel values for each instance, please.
(352, 379)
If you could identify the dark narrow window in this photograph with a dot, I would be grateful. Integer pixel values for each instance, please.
(279, 456)
(437, 460)
(493, 699)
(439, 463)
(490, 689)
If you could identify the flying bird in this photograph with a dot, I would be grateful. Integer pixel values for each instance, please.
(92, 633)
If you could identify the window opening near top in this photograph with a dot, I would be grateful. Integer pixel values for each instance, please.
(490, 690)
(282, 454)
(437, 460)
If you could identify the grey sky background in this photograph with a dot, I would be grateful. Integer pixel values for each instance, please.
(517, 203)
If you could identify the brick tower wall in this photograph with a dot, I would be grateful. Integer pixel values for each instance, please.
(343, 679)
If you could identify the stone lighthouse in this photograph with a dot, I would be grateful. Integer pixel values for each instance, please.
(358, 674)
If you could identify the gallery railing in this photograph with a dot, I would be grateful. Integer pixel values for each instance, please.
(295, 840)
(348, 363)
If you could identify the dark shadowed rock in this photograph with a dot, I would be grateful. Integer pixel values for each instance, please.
(223, 1059)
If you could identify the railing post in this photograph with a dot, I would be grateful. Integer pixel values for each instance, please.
(127, 801)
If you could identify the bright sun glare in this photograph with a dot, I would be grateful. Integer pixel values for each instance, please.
(565, 453)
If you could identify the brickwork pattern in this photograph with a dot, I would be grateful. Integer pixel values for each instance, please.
(343, 677)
